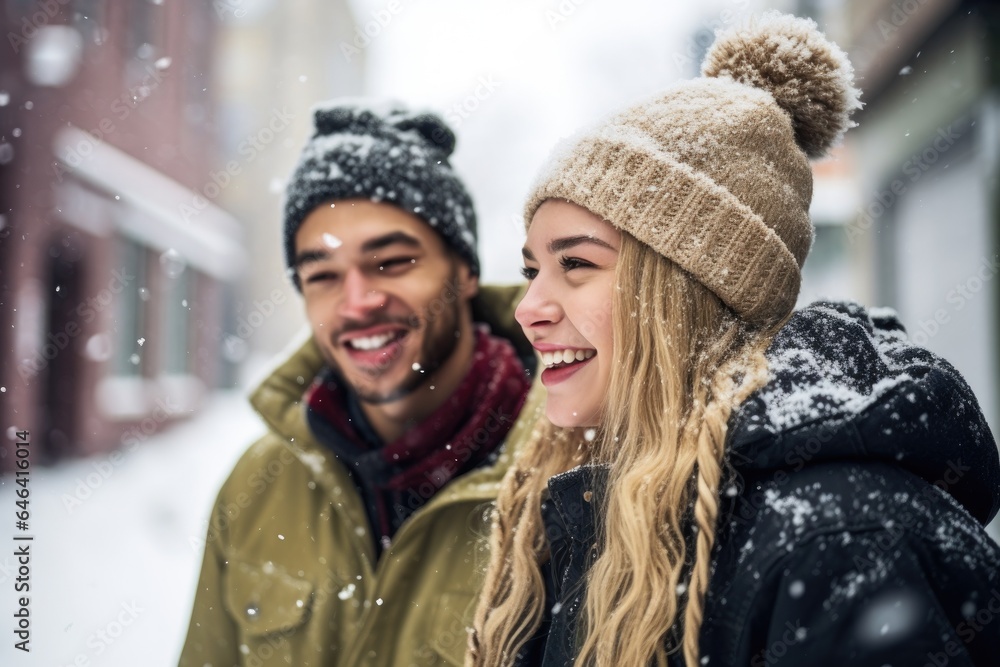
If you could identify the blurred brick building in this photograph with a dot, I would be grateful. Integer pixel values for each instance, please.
(115, 264)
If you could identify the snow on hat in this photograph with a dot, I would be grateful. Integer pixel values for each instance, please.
(385, 152)
(714, 173)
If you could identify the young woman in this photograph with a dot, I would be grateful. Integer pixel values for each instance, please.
(718, 480)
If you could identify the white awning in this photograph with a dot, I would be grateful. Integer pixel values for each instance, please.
(158, 210)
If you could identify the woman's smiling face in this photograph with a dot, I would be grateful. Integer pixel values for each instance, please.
(569, 260)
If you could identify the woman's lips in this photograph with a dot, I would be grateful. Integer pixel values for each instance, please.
(553, 376)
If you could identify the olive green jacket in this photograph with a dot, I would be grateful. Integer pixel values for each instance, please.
(290, 576)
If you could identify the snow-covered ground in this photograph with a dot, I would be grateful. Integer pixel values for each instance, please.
(113, 576)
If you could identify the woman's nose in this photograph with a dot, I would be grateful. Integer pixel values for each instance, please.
(537, 307)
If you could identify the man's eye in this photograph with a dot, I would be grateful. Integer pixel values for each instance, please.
(319, 277)
(528, 273)
(396, 263)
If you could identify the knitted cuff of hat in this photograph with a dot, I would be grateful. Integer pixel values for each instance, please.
(714, 173)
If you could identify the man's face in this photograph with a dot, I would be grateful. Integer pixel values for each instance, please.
(383, 294)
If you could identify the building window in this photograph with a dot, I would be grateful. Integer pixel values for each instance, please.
(175, 334)
(827, 273)
(130, 316)
(146, 26)
(88, 19)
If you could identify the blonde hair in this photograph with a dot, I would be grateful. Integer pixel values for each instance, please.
(694, 360)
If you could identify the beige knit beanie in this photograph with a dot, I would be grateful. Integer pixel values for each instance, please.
(713, 173)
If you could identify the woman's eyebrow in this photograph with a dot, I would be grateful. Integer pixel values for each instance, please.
(567, 242)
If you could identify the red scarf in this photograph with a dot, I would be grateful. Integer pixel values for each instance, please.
(398, 477)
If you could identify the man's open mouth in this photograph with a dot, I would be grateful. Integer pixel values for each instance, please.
(374, 342)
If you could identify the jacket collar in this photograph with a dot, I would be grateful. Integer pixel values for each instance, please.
(573, 499)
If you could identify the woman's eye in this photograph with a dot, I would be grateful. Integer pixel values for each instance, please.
(568, 263)
(528, 273)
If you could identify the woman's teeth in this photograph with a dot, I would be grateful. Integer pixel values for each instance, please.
(371, 342)
(550, 359)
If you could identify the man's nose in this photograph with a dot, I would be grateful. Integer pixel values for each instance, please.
(360, 297)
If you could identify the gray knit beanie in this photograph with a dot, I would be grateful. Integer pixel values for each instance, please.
(714, 173)
(385, 152)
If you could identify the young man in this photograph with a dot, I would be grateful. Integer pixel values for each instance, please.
(350, 534)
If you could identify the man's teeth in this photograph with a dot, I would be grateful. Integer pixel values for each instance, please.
(550, 359)
(371, 342)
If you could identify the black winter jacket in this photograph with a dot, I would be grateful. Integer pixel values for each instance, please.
(852, 530)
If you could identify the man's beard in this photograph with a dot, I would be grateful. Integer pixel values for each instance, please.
(440, 341)
(438, 345)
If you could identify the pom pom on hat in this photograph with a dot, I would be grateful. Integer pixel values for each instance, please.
(809, 76)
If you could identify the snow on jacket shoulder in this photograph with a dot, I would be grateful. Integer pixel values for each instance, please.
(289, 575)
(851, 532)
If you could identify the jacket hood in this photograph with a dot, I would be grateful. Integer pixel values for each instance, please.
(846, 384)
